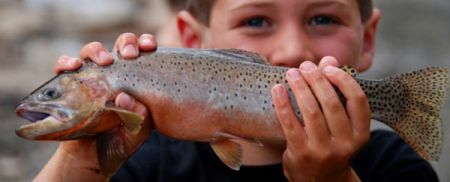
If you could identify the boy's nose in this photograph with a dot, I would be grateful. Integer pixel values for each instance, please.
(291, 48)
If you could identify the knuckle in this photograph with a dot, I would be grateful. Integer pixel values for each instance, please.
(61, 59)
(125, 38)
(325, 155)
(314, 114)
(94, 45)
(298, 157)
(127, 35)
(360, 95)
(346, 148)
(333, 104)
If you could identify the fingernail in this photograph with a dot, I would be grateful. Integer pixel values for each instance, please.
(103, 56)
(308, 66)
(70, 61)
(129, 50)
(293, 74)
(124, 101)
(278, 90)
(329, 69)
(146, 42)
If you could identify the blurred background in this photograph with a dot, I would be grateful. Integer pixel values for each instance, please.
(34, 33)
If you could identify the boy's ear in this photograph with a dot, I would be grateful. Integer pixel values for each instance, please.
(368, 49)
(191, 30)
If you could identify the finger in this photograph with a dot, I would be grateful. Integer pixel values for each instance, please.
(127, 46)
(293, 130)
(315, 125)
(127, 102)
(334, 112)
(357, 102)
(328, 61)
(66, 63)
(97, 53)
(147, 42)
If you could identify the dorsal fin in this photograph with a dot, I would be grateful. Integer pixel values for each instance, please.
(242, 55)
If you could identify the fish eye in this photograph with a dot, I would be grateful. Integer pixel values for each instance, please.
(49, 93)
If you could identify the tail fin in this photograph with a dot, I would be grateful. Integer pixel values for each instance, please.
(423, 95)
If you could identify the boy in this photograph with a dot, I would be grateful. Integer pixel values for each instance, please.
(332, 145)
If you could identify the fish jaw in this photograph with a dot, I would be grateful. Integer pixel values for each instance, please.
(45, 119)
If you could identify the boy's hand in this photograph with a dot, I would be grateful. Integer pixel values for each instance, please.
(127, 45)
(81, 155)
(321, 149)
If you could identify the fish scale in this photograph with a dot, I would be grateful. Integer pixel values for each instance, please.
(217, 96)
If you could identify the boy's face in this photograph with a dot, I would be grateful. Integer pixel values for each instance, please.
(289, 32)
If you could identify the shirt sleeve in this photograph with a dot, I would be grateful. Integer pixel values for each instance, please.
(388, 158)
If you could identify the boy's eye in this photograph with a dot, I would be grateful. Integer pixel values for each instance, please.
(322, 20)
(256, 22)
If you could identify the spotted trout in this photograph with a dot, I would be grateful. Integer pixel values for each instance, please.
(211, 95)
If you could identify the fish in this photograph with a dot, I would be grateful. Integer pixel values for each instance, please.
(220, 96)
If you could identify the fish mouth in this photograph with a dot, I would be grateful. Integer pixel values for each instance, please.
(44, 119)
(32, 116)
(38, 112)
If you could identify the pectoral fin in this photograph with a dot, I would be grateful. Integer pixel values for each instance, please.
(115, 146)
(229, 152)
(236, 138)
(111, 152)
(132, 121)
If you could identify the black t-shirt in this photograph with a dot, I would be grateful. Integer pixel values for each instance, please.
(160, 159)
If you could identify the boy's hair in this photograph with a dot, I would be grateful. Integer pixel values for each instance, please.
(201, 9)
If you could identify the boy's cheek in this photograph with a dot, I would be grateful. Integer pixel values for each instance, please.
(345, 49)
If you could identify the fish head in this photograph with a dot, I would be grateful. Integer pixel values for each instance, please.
(63, 107)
